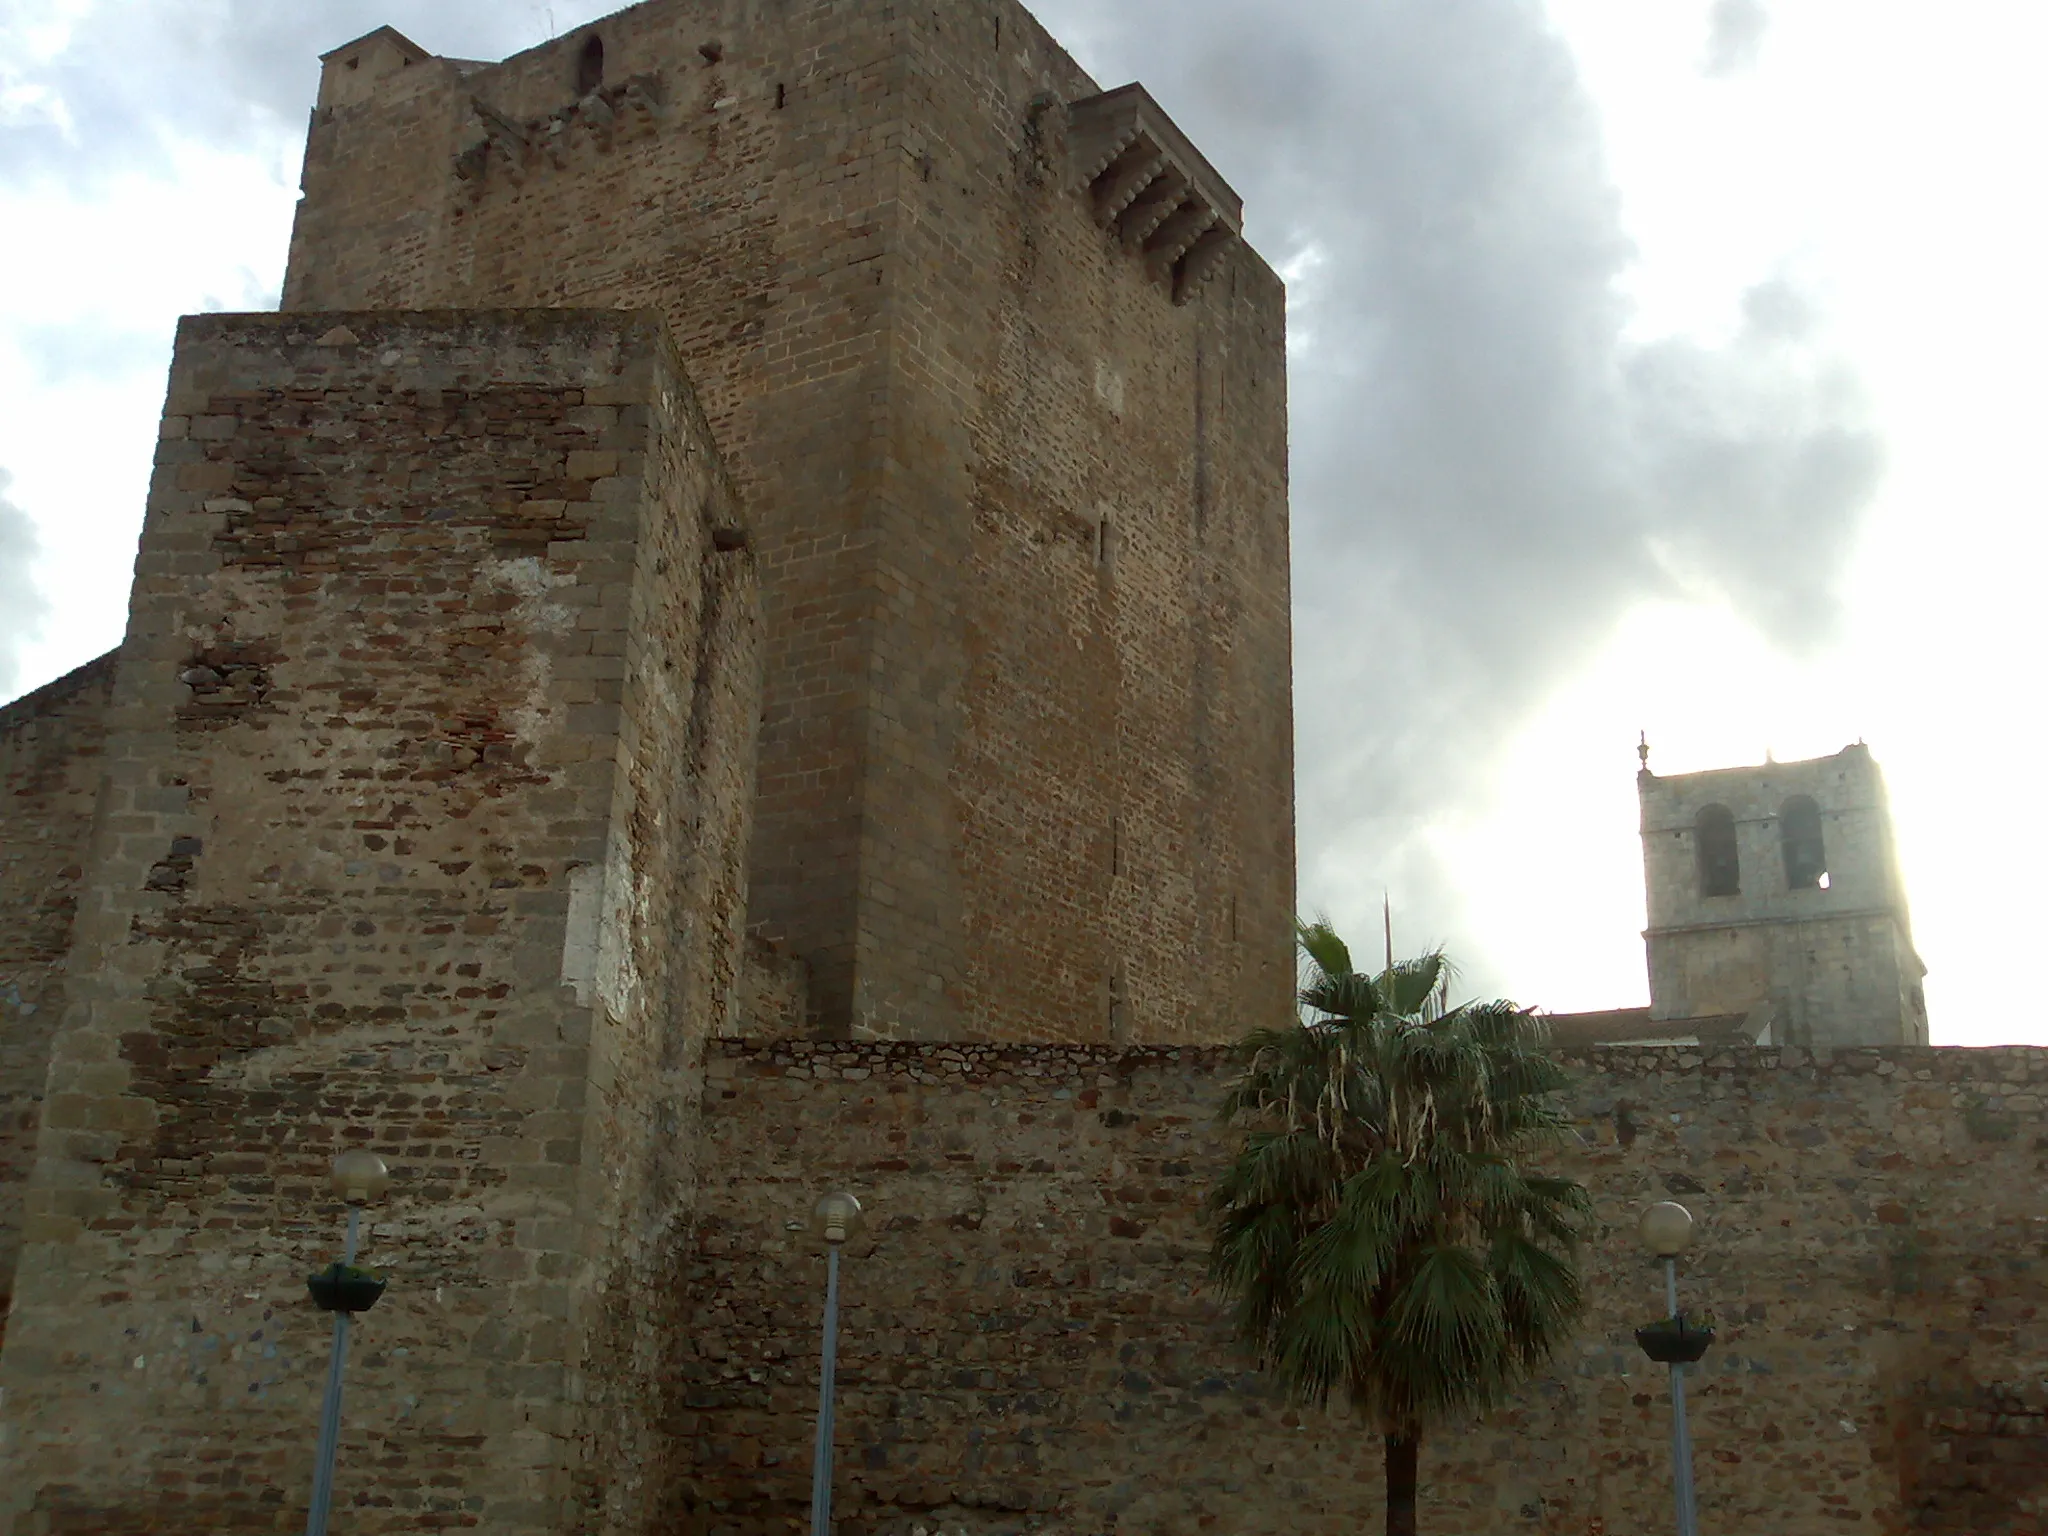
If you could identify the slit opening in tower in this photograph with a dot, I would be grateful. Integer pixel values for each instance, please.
(1720, 869)
(1806, 852)
(590, 65)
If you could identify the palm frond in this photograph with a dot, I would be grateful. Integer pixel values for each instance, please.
(1407, 987)
(1326, 952)
(1376, 1231)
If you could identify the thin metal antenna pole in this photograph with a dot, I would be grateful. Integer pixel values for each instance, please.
(821, 1455)
(330, 1404)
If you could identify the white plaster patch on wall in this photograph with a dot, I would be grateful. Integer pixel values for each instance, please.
(617, 979)
(529, 578)
(597, 961)
(580, 930)
(1109, 387)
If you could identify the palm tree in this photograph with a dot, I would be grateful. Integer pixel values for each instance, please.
(1375, 1231)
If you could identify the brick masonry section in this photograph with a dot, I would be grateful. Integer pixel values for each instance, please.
(1029, 1342)
(427, 772)
(50, 765)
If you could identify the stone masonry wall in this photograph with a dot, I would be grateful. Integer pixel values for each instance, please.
(1029, 1344)
(1821, 976)
(736, 174)
(50, 765)
(1022, 517)
(1089, 561)
(427, 786)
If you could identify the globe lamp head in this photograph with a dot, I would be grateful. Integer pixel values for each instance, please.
(360, 1176)
(837, 1217)
(1666, 1228)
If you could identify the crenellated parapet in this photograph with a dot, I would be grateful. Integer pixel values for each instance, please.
(1150, 185)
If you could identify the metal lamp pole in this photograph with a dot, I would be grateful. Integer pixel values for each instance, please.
(359, 1177)
(835, 1219)
(1666, 1228)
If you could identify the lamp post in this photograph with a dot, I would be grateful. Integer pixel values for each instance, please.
(836, 1218)
(358, 1177)
(1666, 1228)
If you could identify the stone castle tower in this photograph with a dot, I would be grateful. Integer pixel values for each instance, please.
(756, 519)
(1003, 393)
(1775, 896)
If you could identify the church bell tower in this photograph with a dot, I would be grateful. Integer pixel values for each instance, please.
(1774, 894)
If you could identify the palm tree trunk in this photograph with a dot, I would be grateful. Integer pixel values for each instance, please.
(1401, 1463)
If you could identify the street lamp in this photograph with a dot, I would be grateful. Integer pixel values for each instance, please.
(1666, 1228)
(358, 1177)
(836, 1218)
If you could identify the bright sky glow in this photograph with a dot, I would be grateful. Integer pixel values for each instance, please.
(1887, 157)
(1883, 156)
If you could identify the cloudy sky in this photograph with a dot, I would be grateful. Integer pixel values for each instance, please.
(1656, 366)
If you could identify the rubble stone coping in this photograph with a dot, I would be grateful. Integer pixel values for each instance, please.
(934, 1061)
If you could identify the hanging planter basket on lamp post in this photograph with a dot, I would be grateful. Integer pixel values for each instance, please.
(1674, 1341)
(344, 1288)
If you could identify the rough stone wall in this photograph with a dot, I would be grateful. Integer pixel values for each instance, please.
(1022, 519)
(671, 900)
(1809, 978)
(1103, 829)
(427, 788)
(1835, 964)
(1028, 1342)
(50, 764)
(1974, 1457)
(734, 173)
(775, 993)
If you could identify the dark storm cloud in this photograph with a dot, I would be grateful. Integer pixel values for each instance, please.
(21, 603)
(1735, 35)
(1487, 471)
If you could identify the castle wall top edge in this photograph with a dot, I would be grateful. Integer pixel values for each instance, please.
(1054, 1063)
(387, 33)
(533, 317)
(1130, 97)
(1856, 754)
(351, 333)
(57, 691)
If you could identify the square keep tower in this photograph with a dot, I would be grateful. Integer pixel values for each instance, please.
(1004, 392)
